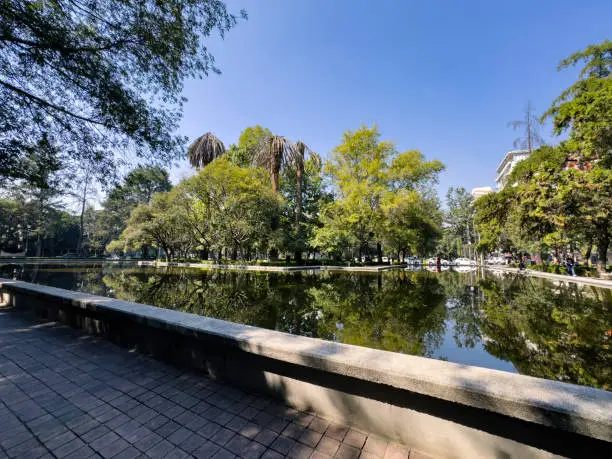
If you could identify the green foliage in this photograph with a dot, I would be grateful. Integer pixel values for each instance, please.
(231, 207)
(222, 207)
(138, 187)
(243, 154)
(378, 190)
(562, 196)
(458, 224)
(313, 197)
(585, 108)
(102, 77)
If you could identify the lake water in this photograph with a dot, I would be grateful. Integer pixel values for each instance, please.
(507, 322)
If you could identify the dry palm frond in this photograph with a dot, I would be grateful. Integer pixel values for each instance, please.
(204, 150)
(301, 150)
(272, 154)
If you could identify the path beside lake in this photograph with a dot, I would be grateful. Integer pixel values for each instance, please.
(603, 283)
(67, 394)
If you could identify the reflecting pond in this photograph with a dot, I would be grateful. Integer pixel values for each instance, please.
(508, 322)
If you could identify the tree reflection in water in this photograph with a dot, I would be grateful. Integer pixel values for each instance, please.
(557, 331)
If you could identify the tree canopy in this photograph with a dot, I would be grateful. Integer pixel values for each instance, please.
(103, 78)
(374, 185)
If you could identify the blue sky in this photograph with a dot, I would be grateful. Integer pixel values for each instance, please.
(444, 77)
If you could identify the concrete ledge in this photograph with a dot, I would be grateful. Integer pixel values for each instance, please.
(595, 281)
(270, 268)
(438, 407)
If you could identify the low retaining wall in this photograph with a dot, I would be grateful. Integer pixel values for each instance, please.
(270, 268)
(441, 408)
(595, 281)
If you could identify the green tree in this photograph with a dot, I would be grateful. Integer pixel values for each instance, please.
(160, 223)
(369, 176)
(308, 196)
(232, 208)
(458, 218)
(585, 108)
(243, 154)
(105, 76)
(138, 187)
(41, 190)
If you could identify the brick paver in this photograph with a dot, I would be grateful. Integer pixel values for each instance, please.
(66, 394)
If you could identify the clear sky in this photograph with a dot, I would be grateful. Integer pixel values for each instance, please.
(444, 77)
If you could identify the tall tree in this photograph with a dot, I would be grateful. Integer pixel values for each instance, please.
(299, 159)
(138, 187)
(585, 108)
(204, 150)
(459, 216)
(370, 176)
(273, 154)
(105, 74)
(530, 139)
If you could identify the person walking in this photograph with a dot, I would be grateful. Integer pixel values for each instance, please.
(569, 263)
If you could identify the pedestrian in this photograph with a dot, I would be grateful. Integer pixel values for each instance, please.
(569, 263)
(522, 263)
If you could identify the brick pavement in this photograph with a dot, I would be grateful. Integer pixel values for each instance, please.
(66, 394)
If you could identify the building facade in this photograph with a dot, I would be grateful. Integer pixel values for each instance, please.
(508, 163)
(480, 191)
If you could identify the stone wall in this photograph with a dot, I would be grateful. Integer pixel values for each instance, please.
(442, 408)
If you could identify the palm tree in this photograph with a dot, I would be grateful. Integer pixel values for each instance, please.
(273, 154)
(298, 161)
(204, 150)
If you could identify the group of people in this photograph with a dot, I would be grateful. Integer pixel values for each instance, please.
(570, 265)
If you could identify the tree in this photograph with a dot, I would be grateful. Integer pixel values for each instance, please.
(411, 223)
(273, 154)
(585, 108)
(159, 223)
(370, 175)
(231, 207)
(311, 196)
(204, 150)
(102, 75)
(459, 216)
(138, 187)
(491, 219)
(530, 139)
(299, 160)
(41, 189)
(243, 154)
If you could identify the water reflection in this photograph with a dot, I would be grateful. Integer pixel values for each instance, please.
(555, 331)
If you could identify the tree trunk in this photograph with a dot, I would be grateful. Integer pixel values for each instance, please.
(39, 243)
(603, 242)
(298, 197)
(298, 212)
(275, 178)
(587, 254)
(82, 219)
(379, 252)
(234, 254)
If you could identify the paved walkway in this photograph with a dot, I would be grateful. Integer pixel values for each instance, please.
(65, 394)
(597, 282)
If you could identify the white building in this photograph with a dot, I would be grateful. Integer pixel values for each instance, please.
(510, 160)
(480, 191)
